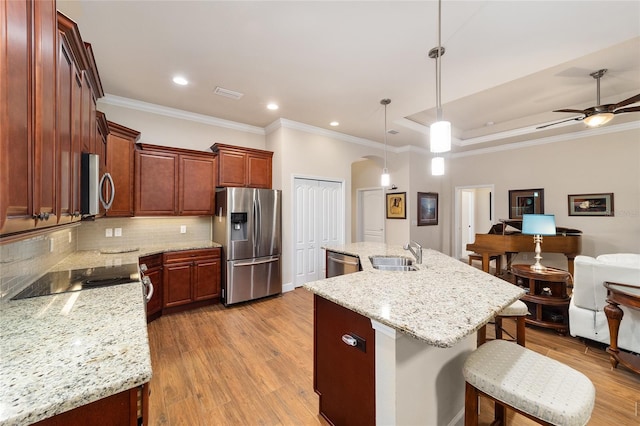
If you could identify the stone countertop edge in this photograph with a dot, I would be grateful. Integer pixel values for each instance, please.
(56, 355)
(441, 303)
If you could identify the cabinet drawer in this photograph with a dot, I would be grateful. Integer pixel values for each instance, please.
(190, 255)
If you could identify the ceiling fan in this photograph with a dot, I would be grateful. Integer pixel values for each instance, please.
(600, 114)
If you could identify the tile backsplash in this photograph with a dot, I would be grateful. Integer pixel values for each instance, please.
(24, 261)
(137, 231)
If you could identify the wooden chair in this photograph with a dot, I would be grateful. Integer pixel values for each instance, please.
(497, 257)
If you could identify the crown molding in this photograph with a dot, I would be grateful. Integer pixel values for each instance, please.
(178, 113)
(552, 139)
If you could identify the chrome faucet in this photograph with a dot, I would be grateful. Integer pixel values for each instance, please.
(417, 253)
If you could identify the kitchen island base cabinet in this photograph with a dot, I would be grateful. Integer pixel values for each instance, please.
(128, 408)
(154, 273)
(344, 375)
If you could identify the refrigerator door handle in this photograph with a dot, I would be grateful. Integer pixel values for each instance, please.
(260, 262)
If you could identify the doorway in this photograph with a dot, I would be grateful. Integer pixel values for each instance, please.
(370, 215)
(318, 221)
(474, 214)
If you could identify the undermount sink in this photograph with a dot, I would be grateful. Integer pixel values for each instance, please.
(392, 263)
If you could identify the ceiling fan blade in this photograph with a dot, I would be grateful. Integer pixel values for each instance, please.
(563, 121)
(630, 109)
(631, 100)
(575, 111)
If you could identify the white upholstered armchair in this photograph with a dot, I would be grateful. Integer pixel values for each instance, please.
(586, 315)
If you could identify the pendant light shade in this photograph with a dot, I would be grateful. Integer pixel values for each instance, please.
(437, 166)
(440, 136)
(385, 179)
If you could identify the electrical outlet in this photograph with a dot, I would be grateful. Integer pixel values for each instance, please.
(118, 232)
(183, 229)
(108, 232)
(69, 237)
(51, 245)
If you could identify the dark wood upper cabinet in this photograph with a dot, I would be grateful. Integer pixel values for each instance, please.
(28, 115)
(47, 108)
(173, 181)
(243, 167)
(120, 164)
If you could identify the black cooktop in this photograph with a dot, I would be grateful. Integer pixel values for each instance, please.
(80, 279)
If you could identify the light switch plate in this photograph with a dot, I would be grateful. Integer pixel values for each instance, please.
(183, 229)
(108, 232)
(118, 232)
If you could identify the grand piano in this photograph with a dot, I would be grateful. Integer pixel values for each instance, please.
(506, 238)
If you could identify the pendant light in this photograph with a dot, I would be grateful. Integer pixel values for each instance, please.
(440, 131)
(385, 179)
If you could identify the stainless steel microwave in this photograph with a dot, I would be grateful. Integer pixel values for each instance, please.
(92, 186)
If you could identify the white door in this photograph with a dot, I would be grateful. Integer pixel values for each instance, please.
(467, 224)
(371, 215)
(319, 221)
(474, 214)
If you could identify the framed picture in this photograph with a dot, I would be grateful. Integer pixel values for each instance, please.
(427, 208)
(591, 204)
(397, 205)
(525, 201)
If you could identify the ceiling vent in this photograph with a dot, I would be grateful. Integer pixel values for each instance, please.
(227, 93)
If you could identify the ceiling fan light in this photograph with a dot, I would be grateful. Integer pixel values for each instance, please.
(598, 119)
(385, 179)
(437, 166)
(440, 136)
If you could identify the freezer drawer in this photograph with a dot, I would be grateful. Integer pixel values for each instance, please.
(252, 279)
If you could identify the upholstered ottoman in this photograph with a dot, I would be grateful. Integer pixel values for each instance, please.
(532, 384)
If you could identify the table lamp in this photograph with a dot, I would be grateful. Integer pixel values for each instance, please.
(538, 225)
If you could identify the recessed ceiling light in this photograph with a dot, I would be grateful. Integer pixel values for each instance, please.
(334, 123)
(180, 80)
(272, 106)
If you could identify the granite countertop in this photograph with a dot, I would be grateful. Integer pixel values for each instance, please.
(63, 351)
(442, 302)
(66, 350)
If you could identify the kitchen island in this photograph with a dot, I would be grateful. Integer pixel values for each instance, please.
(424, 323)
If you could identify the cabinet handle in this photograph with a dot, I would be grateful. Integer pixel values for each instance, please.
(349, 340)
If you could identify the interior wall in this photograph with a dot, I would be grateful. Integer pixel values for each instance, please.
(163, 130)
(586, 165)
(421, 181)
(304, 154)
(365, 173)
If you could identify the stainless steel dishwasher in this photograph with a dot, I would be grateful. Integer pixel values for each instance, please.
(341, 264)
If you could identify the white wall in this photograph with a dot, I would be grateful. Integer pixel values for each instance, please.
(592, 164)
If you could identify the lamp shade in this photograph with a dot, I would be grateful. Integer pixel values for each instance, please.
(385, 179)
(440, 136)
(539, 224)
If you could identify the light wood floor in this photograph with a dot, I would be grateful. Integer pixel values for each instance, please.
(253, 365)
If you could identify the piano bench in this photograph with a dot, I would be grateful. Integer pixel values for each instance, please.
(493, 256)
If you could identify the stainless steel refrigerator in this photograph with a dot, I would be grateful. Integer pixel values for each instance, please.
(248, 225)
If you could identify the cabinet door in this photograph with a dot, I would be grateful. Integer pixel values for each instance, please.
(64, 126)
(46, 48)
(232, 168)
(76, 141)
(15, 105)
(120, 166)
(344, 376)
(196, 185)
(156, 183)
(177, 284)
(258, 171)
(206, 283)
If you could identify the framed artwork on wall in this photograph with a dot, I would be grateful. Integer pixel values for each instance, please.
(525, 201)
(591, 204)
(427, 208)
(397, 205)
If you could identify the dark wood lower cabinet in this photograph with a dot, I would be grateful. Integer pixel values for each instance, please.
(191, 277)
(128, 408)
(344, 375)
